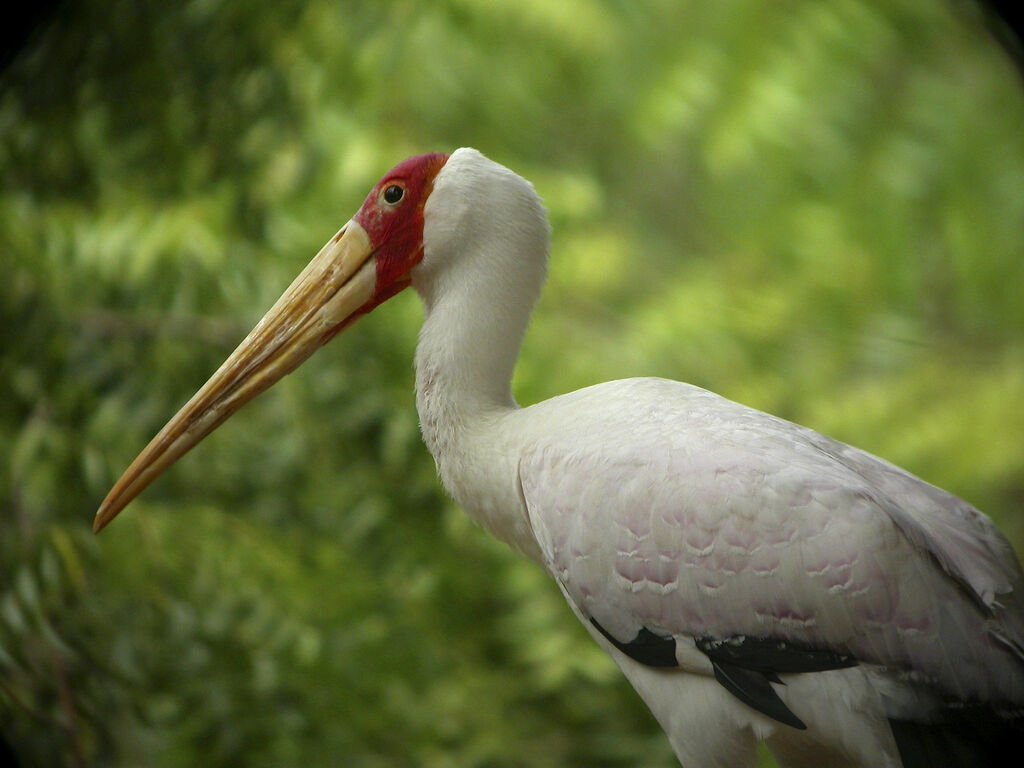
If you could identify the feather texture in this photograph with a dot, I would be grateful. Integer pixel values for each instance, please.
(753, 579)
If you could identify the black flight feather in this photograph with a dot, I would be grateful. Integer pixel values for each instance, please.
(648, 648)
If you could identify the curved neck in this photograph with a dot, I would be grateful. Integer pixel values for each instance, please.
(477, 305)
(485, 242)
(467, 350)
(468, 346)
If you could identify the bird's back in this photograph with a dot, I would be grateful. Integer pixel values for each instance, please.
(664, 509)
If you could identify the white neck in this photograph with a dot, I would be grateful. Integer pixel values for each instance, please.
(476, 311)
(465, 355)
(485, 258)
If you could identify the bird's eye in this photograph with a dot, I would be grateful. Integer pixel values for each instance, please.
(393, 194)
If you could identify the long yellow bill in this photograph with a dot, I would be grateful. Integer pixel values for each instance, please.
(329, 293)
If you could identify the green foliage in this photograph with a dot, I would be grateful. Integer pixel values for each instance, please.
(814, 208)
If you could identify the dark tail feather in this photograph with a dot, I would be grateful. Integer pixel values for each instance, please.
(966, 737)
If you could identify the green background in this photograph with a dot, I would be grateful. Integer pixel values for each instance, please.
(814, 208)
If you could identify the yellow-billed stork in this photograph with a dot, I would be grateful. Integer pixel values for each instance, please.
(754, 580)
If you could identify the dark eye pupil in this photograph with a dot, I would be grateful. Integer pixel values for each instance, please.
(393, 194)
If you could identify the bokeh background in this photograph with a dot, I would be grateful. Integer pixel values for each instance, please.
(814, 208)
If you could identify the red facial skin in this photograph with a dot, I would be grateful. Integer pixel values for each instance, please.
(396, 230)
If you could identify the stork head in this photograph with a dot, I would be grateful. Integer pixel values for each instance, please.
(367, 262)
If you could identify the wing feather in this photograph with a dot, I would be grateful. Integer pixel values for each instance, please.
(662, 508)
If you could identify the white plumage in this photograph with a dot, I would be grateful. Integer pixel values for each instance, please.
(659, 506)
(753, 580)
